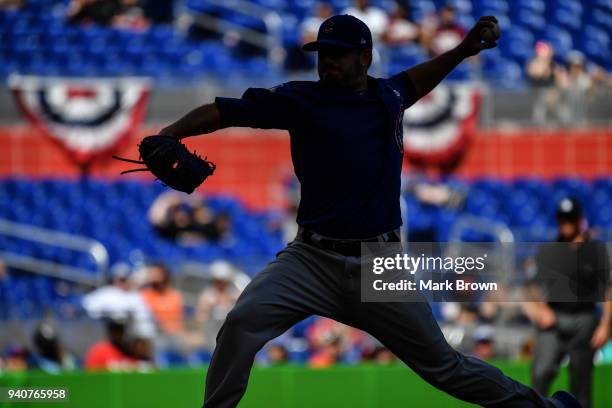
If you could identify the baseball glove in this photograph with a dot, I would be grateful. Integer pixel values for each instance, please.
(170, 161)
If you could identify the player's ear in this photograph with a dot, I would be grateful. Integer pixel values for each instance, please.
(366, 58)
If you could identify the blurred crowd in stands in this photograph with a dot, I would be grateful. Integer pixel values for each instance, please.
(436, 33)
(560, 49)
(187, 219)
(148, 323)
(135, 15)
(149, 316)
(144, 318)
(562, 88)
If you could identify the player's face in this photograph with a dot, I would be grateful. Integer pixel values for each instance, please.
(340, 66)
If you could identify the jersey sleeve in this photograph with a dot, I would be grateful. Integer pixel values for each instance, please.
(403, 84)
(257, 108)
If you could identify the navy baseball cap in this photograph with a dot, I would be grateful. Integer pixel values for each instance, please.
(342, 31)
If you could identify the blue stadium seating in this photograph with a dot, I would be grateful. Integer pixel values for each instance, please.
(36, 40)
(526, 205)
(102, 209)
(170, 358)
(114, 212)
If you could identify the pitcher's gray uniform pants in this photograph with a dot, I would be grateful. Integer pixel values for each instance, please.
(571, 337)
(305, 280)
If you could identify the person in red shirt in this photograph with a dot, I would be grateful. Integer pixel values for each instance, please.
(112, 353)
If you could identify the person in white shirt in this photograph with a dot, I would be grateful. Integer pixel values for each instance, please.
(117, 300)
(217, 299)
(310, 26)
(400, 31)
(375, 18)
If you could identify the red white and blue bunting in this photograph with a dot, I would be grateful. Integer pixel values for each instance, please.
(438, 128)
(87, 117)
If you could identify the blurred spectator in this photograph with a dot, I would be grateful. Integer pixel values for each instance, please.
(379, 354)
(297, 59)
(4, 275)
(169, 215)
(16, 359)
(289, 226)
(11, 4)
(575, 84)
(126, 14)
(216, 300)
(113, 353)
(141, 350)
(310, 26)
(400, 30)
(541, 68)
(571, 276)
(471, 307)
(375, 18)
(328, 353)
(429, 188)
(131, 16)
(119, 300)
(187, 219)
(165, 302)
(444, 34)
(562, 91)
(526, 350)
(543, 75)
(277, 354)
(332, 342)
(484, 343)
(383, 355)
(51, 355)
(208, 226)
(437, 193)
(93, 11)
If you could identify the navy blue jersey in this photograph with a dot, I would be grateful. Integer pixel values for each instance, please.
(346, 148)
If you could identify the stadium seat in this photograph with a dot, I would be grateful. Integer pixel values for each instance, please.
(568, 19)
(559, 38)
(170, 358)
(503, 72)
(534, 6)
(199, 358)
(535, 22)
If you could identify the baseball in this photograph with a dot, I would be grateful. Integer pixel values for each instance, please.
(488, 34)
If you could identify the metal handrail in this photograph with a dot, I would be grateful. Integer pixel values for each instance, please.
(272, 41)
(242, 6)
(253, 37)
(58, 239)
(503, 234)
(480, 224)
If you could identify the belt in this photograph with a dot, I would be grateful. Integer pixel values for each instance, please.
(346, 247)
